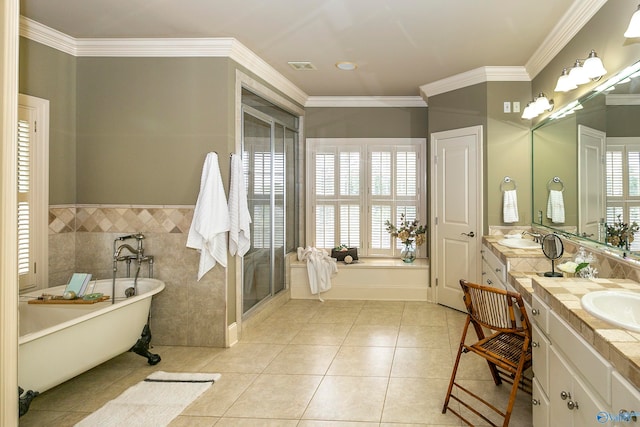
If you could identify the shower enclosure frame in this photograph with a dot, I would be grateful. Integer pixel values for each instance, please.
(279, 133)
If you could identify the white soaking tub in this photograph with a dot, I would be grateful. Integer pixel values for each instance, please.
(59, 341)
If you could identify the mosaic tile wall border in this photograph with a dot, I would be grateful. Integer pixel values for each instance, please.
(119, 218)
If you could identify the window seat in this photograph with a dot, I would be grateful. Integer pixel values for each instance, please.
(382, 279)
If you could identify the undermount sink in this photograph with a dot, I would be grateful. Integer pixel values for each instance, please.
(520, 244)
(619, 308)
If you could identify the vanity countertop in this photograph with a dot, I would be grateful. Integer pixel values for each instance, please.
(504, 252)
(619, 346)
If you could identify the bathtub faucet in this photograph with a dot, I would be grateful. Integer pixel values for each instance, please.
(136, 254)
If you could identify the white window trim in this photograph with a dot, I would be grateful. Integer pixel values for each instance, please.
(368, 143)
(40, 186)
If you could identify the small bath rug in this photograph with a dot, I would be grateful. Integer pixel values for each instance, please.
(154, 402)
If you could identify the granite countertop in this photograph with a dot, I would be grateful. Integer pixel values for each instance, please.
(619, 346)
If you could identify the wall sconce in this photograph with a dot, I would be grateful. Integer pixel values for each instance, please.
(583, 71)
(536, 107)
(634, 25)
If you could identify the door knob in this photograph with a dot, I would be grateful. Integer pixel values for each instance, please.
(469, 234)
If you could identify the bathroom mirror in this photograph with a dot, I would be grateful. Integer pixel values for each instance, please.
(591, 157)
(553, 249)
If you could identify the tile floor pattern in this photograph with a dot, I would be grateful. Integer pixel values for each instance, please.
(310, 364)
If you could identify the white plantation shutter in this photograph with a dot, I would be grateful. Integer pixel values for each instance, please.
(325, 226)
(350, 225)
(623, 185)
(33, 192)
(325, 174)
(357, 185)
(24, 188)
(406, 173)
(349, 173)
(614, 172)
(381, 173)
(633, 162)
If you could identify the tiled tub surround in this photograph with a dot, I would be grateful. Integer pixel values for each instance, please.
(187, 311)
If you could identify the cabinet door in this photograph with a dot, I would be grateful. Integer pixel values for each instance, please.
(540, 354)
(588, 405)
(624, 397)
(540, 406)
(489, 277)
(560, 388)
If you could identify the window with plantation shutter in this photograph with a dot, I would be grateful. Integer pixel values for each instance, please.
(357, 185)
(623, 182)
(24, 188)
(32, 192)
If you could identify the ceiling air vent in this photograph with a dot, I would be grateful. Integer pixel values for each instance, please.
(302, 65)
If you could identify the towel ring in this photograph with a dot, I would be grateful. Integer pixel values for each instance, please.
(506, 181)
(555, 180)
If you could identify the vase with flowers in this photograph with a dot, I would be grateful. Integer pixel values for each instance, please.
(620, 233)
(410, 233)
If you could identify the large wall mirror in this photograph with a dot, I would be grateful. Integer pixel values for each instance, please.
(586, 162)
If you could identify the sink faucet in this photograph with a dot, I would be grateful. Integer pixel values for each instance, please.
(537, 237)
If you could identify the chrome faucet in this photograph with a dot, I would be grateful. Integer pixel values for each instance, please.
(537, 237)
(136, 254)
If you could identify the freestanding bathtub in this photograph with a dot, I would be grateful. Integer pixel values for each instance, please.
(59, 341)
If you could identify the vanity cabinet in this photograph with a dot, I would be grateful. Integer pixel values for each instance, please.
(573, 384)
(494, 271)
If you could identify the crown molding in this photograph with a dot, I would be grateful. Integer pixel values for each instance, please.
(365, 101)
(580, 12)
(47, 36)
(161, 47)
(475, 76)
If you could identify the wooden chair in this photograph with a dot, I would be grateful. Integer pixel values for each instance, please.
(507, 348)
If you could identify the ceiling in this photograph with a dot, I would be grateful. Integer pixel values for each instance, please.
(399, 45)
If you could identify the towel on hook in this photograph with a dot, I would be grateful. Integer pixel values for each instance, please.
(208, 232)
(555, 206)
(510, 206)
(239, 232)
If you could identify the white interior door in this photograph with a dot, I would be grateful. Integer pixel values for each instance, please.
(456, 219)
(591, 182)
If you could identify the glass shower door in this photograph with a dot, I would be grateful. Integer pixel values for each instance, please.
(258, 262)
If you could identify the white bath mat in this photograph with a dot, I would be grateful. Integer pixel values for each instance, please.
(154, 402)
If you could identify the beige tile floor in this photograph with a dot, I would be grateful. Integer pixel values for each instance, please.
(310, 364)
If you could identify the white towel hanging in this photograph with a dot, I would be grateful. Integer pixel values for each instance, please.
(240, 218)
(510, 206)
(208, 232)
(555, 206)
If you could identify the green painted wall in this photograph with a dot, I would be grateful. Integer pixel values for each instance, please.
(146, 124)
(366, 122)
(50, 74)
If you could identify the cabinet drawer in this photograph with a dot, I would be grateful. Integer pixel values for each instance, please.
(540, 313)
(489, 277)
(594, 368)
(540, 354)
(497, 266)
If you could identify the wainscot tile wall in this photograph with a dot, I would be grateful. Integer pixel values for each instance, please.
(187, 311)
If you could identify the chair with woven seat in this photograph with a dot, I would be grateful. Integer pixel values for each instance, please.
(506, 347)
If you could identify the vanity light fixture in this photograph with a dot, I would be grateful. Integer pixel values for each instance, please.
(583, 71)
(633, 30)
(536, 107)
(565, 83)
